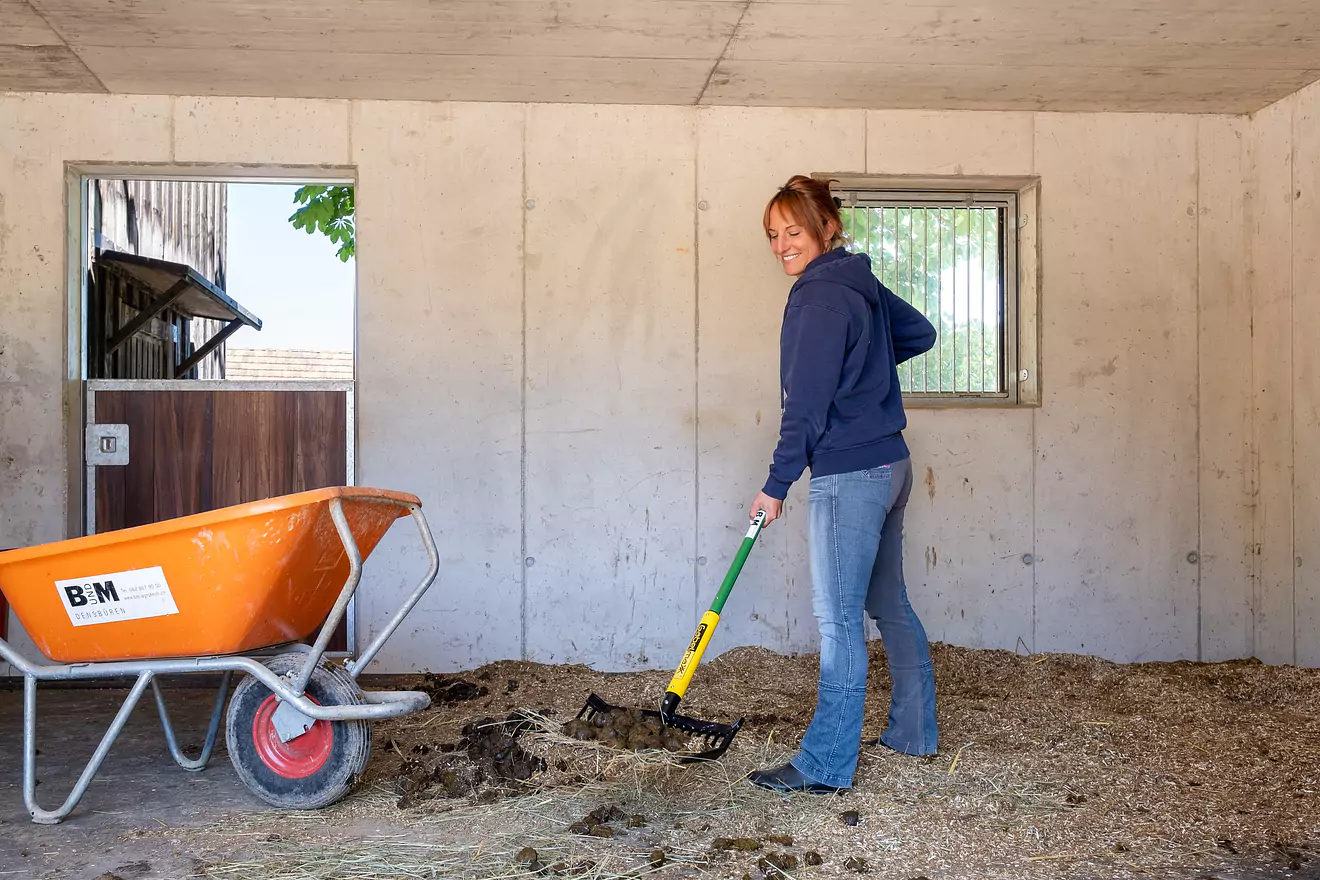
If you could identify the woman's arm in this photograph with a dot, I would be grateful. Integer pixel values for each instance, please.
(815, 338)
(912, 333)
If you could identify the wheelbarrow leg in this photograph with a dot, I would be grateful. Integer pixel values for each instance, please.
(217, 715)
(47, 817)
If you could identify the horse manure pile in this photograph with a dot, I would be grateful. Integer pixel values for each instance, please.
(627, 729)
(488, 751)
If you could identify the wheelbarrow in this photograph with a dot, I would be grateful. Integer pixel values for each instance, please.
(213, 593)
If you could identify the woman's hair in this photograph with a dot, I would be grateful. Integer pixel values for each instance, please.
(810, 203)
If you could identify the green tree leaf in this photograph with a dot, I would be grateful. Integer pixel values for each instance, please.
(327, 210)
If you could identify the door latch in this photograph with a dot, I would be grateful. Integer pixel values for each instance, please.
(106, 446)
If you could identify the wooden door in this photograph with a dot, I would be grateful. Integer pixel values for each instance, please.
(202, 448)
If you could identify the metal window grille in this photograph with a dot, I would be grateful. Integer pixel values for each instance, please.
(952, 255)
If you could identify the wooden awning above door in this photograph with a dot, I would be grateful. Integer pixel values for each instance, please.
(181, 289)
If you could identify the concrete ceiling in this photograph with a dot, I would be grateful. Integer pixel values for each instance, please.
(1198, 56)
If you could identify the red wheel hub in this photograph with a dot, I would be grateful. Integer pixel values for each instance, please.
(301, 756)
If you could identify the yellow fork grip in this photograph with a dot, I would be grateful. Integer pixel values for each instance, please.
(688, 665)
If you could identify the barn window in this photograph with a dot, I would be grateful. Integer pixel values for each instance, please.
(957, 255)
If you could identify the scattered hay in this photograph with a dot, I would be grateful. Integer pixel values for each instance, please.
(730, 844)
(1049, 766)
(392, 860)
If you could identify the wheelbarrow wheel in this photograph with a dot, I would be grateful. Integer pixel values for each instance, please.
(310, 771)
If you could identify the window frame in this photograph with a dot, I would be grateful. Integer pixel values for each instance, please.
(1019, 330)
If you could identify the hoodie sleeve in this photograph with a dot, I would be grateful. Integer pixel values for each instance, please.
(814, 342)
(912, 333)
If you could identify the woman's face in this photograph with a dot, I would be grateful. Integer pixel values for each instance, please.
(793, 244)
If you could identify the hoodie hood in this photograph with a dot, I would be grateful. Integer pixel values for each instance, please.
(841, 267)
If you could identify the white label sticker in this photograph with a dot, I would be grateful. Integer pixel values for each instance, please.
(756, 524)
(123, 595)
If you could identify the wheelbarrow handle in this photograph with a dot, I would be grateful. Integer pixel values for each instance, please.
(354, 668)
(678, 685)
(432, 569)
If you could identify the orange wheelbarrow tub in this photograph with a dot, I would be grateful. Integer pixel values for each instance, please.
(198, 594)
(221, 582)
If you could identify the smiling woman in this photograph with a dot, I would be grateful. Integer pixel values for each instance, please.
(844, 335)
(800, 220)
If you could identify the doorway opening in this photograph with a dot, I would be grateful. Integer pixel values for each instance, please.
(217, 344)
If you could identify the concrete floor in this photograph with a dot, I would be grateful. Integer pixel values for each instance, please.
(139, 786)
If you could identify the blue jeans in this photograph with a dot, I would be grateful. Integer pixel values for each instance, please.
(856, 540)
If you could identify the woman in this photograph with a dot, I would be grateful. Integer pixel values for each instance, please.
(843, 336)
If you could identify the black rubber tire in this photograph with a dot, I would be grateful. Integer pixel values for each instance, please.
(350, 747)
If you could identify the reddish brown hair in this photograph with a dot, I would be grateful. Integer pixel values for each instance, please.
(810, 204)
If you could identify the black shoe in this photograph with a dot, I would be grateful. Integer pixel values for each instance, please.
(789, 779)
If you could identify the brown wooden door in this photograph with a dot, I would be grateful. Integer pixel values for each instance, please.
(196, 450)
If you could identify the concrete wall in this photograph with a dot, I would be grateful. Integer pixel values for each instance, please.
(567, 342)
(1284, 218)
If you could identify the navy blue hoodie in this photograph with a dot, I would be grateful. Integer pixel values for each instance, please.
(843, 337)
